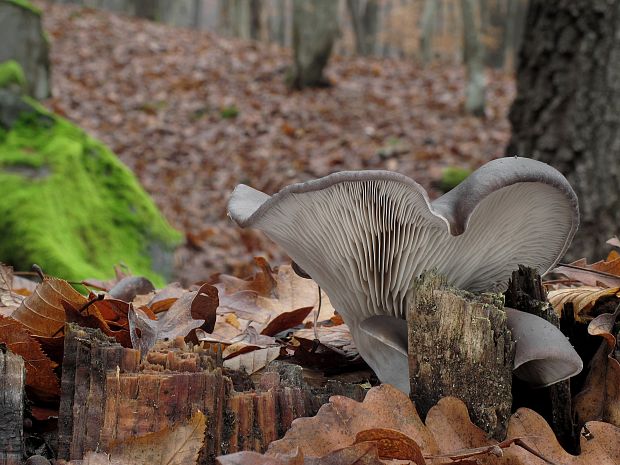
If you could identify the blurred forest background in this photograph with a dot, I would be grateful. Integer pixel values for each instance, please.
(196, 96)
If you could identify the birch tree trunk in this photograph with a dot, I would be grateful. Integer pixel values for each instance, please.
(567, 110)
(315, 28)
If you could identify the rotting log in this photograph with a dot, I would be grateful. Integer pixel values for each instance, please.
(526, 293)
(12, 382)
(459, 345)
(109, 395)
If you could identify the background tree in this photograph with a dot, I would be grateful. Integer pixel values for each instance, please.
(567, 110)
(365, 21)
(315, 28)
(473, 56)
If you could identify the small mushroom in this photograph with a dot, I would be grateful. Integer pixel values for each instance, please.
(363, 236)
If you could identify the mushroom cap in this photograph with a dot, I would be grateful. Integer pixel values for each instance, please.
(364, 236)
(543, 355)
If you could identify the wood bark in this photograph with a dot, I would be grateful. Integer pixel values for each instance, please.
(315, 28)
(429, 17)
(12, 382)
(526, 293)
(567, 110)
(109, 395)
(459, 346)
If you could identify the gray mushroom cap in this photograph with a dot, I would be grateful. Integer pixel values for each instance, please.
(364, 236)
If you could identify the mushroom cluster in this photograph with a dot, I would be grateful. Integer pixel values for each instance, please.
(364, 236)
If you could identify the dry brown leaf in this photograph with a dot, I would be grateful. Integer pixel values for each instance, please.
(129, 287)
(263, 282)
(178, 321)
(603, 447)
(599, 398)
(338, 422)
(41, 380)
(392, 444)
(286, 321)
(252, 361)
(583, 299)
(176, 445)
(42, 313)
(600, 273)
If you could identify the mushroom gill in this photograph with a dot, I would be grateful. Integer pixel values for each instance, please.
(363, 236)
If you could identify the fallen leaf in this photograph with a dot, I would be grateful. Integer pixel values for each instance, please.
(254, 360)
(263, 282)
(178, 321)
(42, 312)
(338, 422)
(129, 287)
(392, 444)
(175, 445)
(599, 398)
(582, 298)
(41, 380)
(599, 273)
(286, 321)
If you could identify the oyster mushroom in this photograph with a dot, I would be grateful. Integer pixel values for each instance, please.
(363, 236)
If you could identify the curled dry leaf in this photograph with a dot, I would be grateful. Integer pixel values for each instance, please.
(41, 380)
(599, 398)
(582, 298)
(42, 312)
(178, 321)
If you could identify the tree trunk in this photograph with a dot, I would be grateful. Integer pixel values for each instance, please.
(567, 110)
(365, 21)
(315, 28)
(474, 62)
(429, 15)
(23, 40)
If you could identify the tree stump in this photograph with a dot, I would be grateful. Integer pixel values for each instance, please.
(526, 293)
(459, 346)
(12, 381)
(108, 395)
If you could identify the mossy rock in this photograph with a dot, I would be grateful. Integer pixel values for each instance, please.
(12, 75)
(452, 176)
(68, 203)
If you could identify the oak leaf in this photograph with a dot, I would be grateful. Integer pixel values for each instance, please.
(582, 298)
(42, 312)
(41, 381)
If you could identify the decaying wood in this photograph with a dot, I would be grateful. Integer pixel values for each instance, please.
(526, 293)
(459, 346)
(12, 381)
(109, 395)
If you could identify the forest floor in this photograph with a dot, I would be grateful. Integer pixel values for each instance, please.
(193, 114)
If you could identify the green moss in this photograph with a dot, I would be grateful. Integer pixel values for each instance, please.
(24, 4)
(452, 177)
(71, 206)
(11, 73)
(229, 112)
